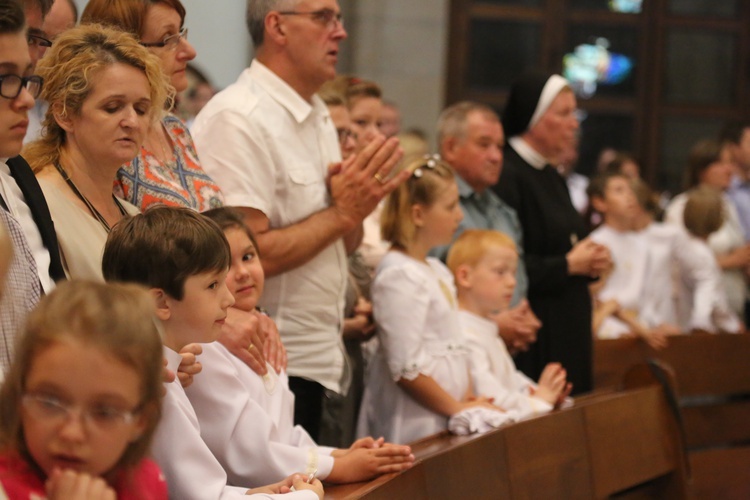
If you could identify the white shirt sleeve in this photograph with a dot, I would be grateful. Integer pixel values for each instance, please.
(509, 393)
(235, 152)
(241, 434)
(400, 327)
(191, 471)
(711, 310)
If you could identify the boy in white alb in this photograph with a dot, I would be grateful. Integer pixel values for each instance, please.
(640, 273)
(705, 303)
(183, 258)
(484, 263)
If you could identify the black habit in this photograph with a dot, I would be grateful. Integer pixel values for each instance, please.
(551, 226)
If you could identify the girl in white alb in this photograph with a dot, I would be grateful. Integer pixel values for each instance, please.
(419, 376)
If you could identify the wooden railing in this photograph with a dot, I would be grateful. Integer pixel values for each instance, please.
(712, 382)
(623, 444)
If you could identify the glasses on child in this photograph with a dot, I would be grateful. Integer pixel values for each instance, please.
(345, 134)
(325, 17)
(11, 85)
(169, 42)
(52, 410)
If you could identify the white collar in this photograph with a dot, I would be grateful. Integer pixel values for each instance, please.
(173, 359)
(551, 89)
(479, 325)
(527, 153)
(283, 93)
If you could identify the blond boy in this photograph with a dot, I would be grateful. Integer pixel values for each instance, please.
(484, 264)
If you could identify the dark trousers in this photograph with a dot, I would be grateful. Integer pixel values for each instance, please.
(308, 404)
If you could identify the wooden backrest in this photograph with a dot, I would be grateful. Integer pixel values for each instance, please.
(705, 364)
(616, 443)
(712, 381)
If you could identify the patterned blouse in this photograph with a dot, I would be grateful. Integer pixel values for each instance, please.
(146, 181)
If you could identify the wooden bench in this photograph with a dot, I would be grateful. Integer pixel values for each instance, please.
(623, 445)
(712, 375)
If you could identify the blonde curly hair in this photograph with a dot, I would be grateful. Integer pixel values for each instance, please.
(70, 69)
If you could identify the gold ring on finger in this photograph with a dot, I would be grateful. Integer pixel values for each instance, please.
(250, 347)
(379, 178)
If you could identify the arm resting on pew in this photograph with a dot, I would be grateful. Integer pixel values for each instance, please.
(429, 394)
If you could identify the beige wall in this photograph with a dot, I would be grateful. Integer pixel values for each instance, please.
(402, 45)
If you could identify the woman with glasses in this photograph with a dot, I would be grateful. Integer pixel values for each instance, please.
(104, 92)
(167, 169)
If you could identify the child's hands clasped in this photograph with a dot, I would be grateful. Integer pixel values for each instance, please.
(360, 326)
(296, 481)
(368, 458)
(553, 386)
(72, 485)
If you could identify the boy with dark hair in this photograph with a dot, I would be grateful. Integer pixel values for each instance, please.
(623, 290)
(183, 258)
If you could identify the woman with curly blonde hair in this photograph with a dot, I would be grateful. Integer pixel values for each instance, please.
(104, 92)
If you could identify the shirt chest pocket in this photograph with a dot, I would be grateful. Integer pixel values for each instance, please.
(306, 193)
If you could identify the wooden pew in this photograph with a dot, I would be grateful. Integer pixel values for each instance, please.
(621, 444)
(713, 385)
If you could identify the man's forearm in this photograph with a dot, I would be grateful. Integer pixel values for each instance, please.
(289, 247)
(353, 239)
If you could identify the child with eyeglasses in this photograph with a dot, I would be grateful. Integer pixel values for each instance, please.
(419, 377)
(82, 398)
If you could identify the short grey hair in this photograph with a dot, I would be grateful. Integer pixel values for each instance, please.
(452, 121)
(255, 17)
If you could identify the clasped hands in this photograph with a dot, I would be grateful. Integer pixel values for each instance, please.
(357, 184)
(588, 258)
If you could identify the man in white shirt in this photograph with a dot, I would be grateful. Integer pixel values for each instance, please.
(270, 144)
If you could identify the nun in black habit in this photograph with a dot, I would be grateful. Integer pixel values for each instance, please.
(540, 122)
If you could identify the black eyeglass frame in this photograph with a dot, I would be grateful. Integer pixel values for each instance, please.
(39, 40)
(23, 82)
(344, 134)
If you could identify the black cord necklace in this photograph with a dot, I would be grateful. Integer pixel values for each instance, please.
(85, 200)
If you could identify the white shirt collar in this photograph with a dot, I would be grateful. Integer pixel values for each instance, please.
(282, 92)
(529, 154)
(479, 325)
(173, 359)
